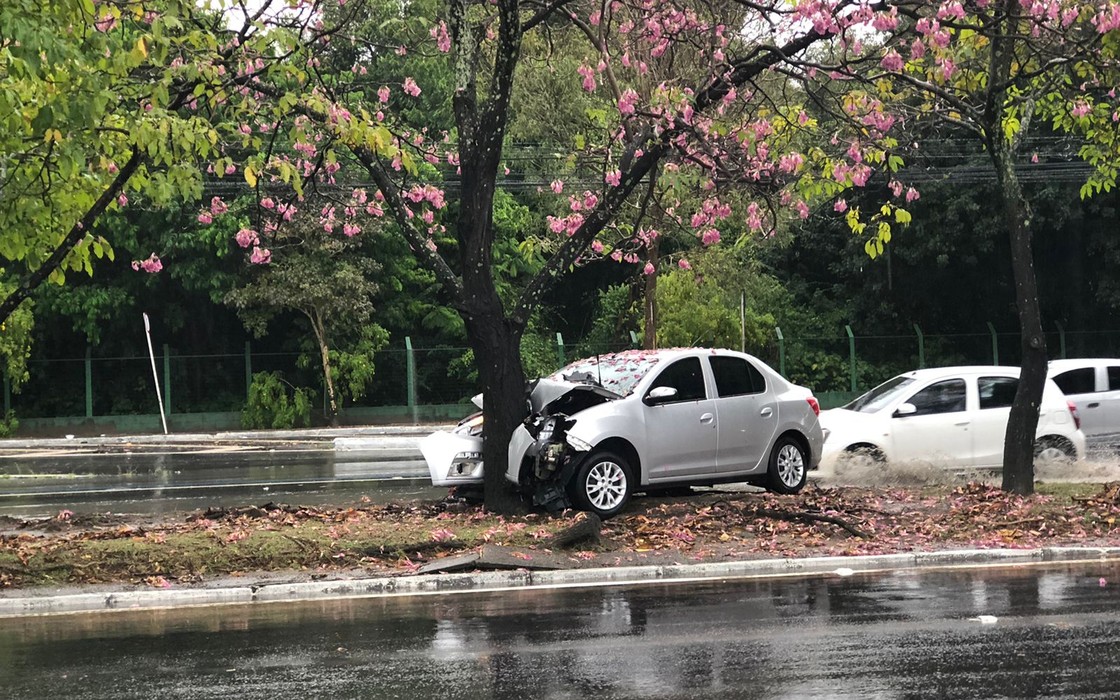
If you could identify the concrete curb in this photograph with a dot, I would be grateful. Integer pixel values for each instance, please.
(505, 580)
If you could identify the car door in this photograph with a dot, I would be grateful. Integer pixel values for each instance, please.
(681, 432)
(746, 413)
(938, 430)
(1110, 400)
(1080, 385)
(989, 421)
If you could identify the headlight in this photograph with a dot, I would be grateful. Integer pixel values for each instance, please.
(472, 426)
(577, 444)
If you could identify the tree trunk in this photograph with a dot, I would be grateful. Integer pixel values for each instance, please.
(497, 354)
(325, 358)
(1018, 450)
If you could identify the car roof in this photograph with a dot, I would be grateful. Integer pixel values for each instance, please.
(1073, 363)
(673, 353)
(988, 370)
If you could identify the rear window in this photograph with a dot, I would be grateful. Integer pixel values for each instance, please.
(997, 392)
(1077, 381)
(1113, 378)
(736, 377)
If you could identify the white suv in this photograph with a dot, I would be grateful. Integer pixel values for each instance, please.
(1093, 385)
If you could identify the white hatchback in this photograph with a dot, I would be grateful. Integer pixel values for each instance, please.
(1093, 385)
(950, 416)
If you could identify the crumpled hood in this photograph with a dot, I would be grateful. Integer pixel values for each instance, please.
(544, 392)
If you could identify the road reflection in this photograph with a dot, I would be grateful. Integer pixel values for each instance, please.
(889, 635)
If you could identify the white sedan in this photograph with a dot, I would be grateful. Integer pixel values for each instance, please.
(950, 416)
(607, 426)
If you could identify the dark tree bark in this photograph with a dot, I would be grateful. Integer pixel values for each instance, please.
(1018, 450)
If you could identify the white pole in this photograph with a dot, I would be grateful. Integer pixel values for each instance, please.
(155, 375)
(742, 321)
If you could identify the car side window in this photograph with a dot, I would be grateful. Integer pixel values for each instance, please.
(1113, 378)
(1077, 381)
(943, 397)
(686, 377)
(997, 392)
(736, 377)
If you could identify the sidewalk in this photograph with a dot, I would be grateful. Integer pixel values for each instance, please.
(25, 602)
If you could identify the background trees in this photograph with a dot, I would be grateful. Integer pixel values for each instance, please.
(647, 130)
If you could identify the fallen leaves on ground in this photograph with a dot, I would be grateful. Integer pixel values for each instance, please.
(397, 538)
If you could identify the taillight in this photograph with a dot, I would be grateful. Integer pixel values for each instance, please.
(816, 405)
(1073, 412)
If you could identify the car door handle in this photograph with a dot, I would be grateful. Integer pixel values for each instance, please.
(1093, 405)
(707, 418)
(766, 412)
(963, 422)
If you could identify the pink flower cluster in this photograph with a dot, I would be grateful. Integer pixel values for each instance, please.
(151, 264)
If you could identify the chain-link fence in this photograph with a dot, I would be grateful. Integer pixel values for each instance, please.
(407, 376)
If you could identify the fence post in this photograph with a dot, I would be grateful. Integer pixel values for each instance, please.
(248, 370)
(167, 380)
(89, 383)
(7, 395)
(410, 373)
(851, 354)
(560, 348)
(1061, 338)
(995, 344)
(633, 339)
(781, 351)
(921, 347)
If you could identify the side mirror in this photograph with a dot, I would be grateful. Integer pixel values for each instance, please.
(660, 394)
(906, 409)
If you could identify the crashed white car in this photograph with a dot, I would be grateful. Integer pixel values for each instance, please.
(640, 420)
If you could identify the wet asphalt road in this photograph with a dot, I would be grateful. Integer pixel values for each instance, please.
(870, 636)
(164, 481)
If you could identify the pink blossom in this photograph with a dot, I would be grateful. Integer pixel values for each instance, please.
(597, 246)
(588, 77)
(557, 186)
(151, 265)
(231, 169)
(613, 178)
(443, 39)
(247, 237)
(122, 200)
(218, 207)
(649, 269)
(107, 22)
(260, 256)
(802, 210)
(892, 61)
(1080, 108)
(204, 217)
(626, 102)
(912, 194)
(267, 203)
(710, 236)
(684, 264)
(383, 94)
(411, 88)
(895, 187)
(350, 230)
(841, 206)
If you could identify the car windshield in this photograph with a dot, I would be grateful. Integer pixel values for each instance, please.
(880, 396)
(618, 372)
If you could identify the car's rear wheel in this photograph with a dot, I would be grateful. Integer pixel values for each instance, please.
(1053, 450)
(788, 464)
(602, 485)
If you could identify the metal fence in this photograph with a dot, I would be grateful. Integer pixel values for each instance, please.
(405, 376)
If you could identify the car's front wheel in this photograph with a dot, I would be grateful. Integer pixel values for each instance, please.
(788, 466)
(602, 485)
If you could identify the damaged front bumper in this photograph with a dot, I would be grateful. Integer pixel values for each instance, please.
(453, 459)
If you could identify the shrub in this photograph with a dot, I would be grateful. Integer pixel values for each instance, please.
(274, 403)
